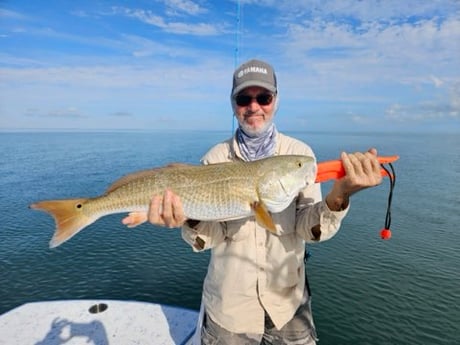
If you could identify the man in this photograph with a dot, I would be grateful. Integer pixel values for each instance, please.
(255, 291)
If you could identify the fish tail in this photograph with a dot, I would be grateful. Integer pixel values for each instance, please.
(68, 216)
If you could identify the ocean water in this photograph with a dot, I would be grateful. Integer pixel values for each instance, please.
(365, 290)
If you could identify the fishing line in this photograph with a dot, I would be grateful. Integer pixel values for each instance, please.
(237, 47)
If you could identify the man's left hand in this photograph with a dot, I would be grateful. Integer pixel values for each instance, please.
(362, 170)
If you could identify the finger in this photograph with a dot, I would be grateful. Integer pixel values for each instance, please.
(134, 219)
(347, 164)
(373, 151)
(178, 210)
(167, 213)
(155, 209)
(126, 220)
(375, 164)
(367, 166)
(371, 167)
(357, 160)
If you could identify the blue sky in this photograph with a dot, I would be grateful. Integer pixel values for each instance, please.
(167, 64)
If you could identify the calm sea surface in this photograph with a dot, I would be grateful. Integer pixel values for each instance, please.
(365, 290)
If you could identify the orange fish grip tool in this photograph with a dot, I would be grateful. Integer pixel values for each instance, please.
(334, 169)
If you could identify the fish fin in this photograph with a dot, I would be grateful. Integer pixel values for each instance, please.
(263, 217)
(134, 219)
(143, 174)
(129, 178)
(68, 217)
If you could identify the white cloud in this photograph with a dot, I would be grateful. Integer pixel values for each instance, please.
(386, 42)
(437, 82)
(70, 112)
(427, 110)
(369, 10)
(142, 47)
(165, 76)
(338, 59)
(121, 114)
(186, 28)
(184, 6)
(8, 14)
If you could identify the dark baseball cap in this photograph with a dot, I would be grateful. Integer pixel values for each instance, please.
(254, 73)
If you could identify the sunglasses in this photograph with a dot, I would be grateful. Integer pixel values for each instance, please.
(262, 99)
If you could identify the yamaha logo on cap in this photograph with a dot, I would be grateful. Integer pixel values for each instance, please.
(254, 73)
(252, 69)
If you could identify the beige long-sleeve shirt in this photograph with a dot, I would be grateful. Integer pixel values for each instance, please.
(252, 270)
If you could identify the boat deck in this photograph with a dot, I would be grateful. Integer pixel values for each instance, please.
(97, 322)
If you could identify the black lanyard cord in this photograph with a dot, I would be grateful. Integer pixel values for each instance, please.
(386, 233)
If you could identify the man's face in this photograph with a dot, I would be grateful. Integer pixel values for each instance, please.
(254, 109)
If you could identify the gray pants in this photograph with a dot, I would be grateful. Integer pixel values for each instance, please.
(300, 330)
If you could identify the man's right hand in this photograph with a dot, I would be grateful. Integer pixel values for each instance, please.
(164, 210)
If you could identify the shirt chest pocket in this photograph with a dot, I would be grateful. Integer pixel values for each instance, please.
(239, 230)
(285, 221)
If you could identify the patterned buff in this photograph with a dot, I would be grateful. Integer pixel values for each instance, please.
(259, 146)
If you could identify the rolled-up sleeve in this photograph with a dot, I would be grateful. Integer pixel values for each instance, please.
(205, 235)
(315, 222)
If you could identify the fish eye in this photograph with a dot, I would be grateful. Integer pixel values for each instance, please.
(299, 164)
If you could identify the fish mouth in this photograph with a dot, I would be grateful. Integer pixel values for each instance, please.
(311, 175)
(310, 180)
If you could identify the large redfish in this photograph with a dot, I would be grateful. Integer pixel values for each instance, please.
(215, 192)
